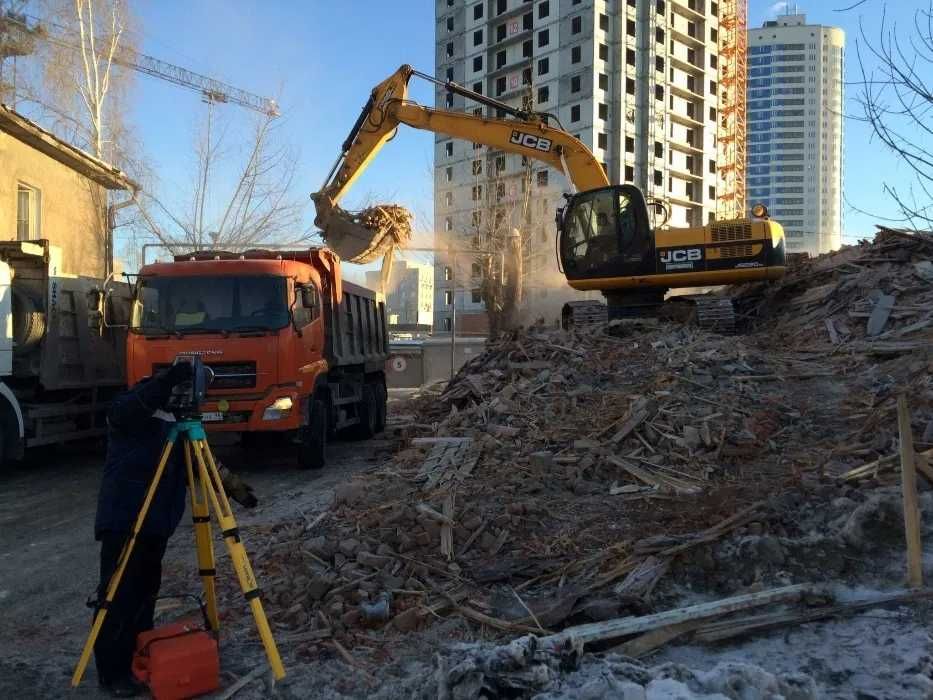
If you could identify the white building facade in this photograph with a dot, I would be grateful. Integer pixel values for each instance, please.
(795, 129)
(635, 80)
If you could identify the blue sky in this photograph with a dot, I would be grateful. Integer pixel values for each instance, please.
(321, 59)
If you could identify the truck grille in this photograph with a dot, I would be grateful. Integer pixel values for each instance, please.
(227, 375)
(731, 231)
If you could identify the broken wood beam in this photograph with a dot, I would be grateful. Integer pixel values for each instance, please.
(909, 491)
(621, 627)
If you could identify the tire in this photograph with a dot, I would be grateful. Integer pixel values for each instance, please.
(368, 413)
(382, 397)
(28, 322)
(312, 448)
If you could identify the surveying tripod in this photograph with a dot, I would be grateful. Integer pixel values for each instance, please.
(206, 491)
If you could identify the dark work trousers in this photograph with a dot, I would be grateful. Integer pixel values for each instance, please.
(134, 604)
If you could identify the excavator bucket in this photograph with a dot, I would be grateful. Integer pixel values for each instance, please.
(367, 235)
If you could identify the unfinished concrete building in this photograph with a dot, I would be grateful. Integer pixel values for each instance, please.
(634, 80)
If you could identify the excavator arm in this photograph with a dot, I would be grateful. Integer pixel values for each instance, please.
(528, 134)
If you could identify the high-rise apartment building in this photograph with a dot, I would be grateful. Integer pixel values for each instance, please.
(795, 129)
(410, 293)
(635, 80)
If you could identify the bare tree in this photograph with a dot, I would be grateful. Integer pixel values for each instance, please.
(896, 95)
(241, 192)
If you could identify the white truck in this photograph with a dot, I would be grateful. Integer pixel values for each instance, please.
(60, 364)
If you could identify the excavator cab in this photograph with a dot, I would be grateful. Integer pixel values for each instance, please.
(605, 233)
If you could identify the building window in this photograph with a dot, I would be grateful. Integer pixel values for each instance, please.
(543, 94)
(500, 59)
(575, 54)
(477, 37)
(448, 297)
(603, 81)
(477, 193)
(450, 74)
(713, 61)
(500, 164)
(450, 24)
(542, 178)
(476, 296)
(477, 217)
(544, 38)
(446, 323)
(544, 9)
(712, 166)
(712, 114)
(500, 6)
(448, 225)
(477, 63)
(658, 178)
(630, 56)
(603, 111)
(449, 100)
(629, 86)
(449, 148)
(500, 86)
(543, 66)
(576, 25)
(477, 167)
(478, 88)
(630, 27)
(500, 32)
(575, 113)
(603, 52)
(629, 173)
(659, 35)
(658, 149)
(478, 11)
(604, 22)
(28, 213)
(527, 22)
(659, 63)
(575, 84)
(659, 92)
(450, 49)
(527, 49)
(500, 191)
(629, 144)
(448, 174)
(448, 274)
(602, 140)
(448, 198)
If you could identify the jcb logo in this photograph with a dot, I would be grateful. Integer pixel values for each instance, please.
(530, 141)
(682, 255)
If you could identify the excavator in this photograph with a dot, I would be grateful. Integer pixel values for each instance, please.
(605, 238)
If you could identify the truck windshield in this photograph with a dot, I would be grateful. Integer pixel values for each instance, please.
(211, 303)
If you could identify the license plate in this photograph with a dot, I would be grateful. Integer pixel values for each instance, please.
(212, 416)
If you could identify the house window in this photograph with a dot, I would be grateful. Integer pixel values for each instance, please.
(448, 274)
(543, 94)
(544, 38)
(576, 25)
(476, 296)
(478, 11)
(448, 297)
(544, 9)
(575, 54)
(449, 148)
(575, 113)
(575, 84)
(28, 213)
(542, 178)
(543, 66)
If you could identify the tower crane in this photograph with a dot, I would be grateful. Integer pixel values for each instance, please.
(212, 90)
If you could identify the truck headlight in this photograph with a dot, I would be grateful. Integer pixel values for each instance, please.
(278, 409)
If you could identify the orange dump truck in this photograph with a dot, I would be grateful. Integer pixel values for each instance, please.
(296, 351)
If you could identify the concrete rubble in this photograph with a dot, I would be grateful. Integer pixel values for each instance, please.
(567, 478)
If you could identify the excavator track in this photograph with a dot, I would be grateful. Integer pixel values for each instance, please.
(715, 314)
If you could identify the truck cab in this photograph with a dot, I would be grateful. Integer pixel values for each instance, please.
(295, 351)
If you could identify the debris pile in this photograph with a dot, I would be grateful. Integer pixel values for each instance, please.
(562, 476)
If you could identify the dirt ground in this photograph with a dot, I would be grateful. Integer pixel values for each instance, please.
(48, 556)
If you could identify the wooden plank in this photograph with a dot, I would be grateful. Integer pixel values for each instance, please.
(833, 335)
(648, 642)
(621, 627)
(909, 490)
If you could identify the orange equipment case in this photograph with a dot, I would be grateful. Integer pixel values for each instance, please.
(177, 661)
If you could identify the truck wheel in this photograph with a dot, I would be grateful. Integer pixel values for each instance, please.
(28, 322)
(382, 396)
(368, 414)
(313, 443)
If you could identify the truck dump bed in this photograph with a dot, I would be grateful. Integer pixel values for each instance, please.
(356, 330)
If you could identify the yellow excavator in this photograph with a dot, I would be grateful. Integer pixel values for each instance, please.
(605, 238)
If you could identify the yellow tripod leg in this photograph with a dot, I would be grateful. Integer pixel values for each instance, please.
(114, 582)
(210, 476)
(201, 515)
